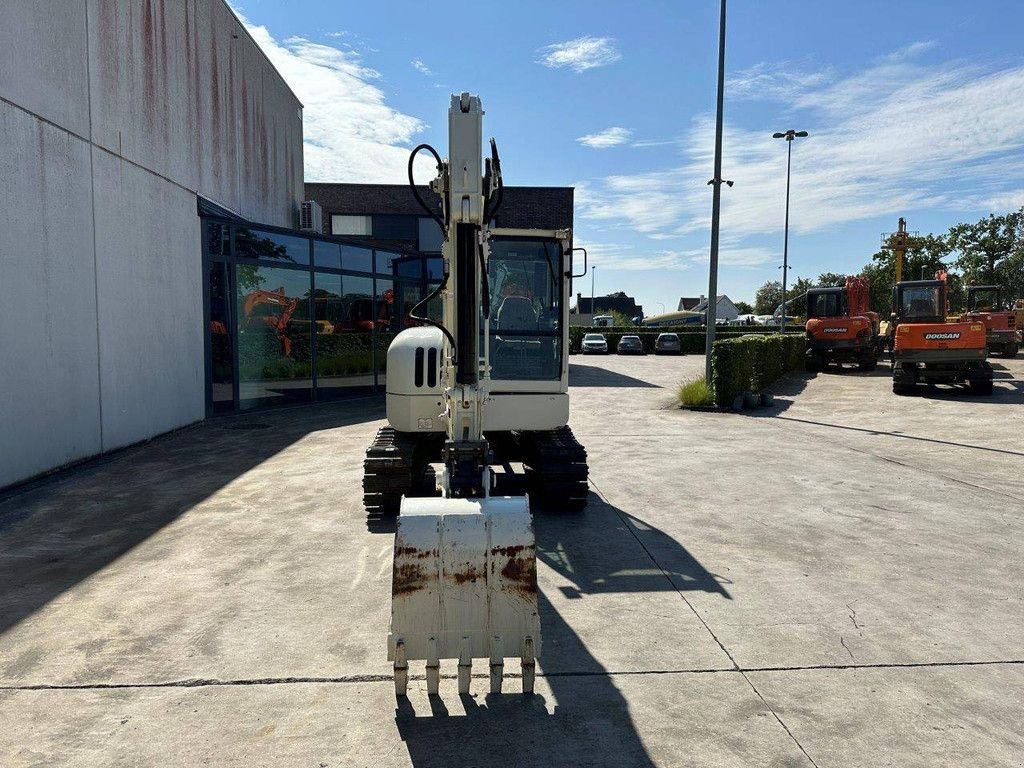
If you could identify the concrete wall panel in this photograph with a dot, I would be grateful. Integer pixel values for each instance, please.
(180, 88)
(142, 97)
(43, 61)
(150, 303)
(49, 394)
(182, 103)
(218, 171)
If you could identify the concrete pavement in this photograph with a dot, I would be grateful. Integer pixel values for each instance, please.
(833, 581)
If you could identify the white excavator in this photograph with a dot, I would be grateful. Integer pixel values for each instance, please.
(485, 386)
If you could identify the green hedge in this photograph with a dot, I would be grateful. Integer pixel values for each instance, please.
(692, 338)
(753, 363)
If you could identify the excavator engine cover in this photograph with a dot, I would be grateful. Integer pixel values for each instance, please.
(464, 586)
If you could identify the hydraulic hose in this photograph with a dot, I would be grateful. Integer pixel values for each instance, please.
(442, 223)
(428, 321)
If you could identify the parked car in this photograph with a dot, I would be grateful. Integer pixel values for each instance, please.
(667, 344)
(595, 344)
(630, 345)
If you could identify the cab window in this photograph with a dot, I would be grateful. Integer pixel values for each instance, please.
(524, 277)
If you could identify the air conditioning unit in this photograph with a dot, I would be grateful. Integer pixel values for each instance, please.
(311, 217)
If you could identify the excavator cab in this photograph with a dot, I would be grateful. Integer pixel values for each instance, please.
(984, 298)
(920, 301)
(985, 304)
(826, 302)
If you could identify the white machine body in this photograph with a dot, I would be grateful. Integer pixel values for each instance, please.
(464, 580)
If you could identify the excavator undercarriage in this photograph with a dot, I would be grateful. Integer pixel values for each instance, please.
(554, 468)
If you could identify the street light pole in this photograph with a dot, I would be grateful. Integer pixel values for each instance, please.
(716, 203)
(593, 275)
(788, 136)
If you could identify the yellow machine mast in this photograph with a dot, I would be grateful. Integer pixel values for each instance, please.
(899, 242)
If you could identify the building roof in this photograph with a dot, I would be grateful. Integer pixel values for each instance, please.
(522, 207)
(688, 303)
(703, 303)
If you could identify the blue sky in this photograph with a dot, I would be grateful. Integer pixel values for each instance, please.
(914, 109)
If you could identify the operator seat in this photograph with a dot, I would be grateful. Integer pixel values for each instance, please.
(921, 307)
(510, 355)
(516, 313)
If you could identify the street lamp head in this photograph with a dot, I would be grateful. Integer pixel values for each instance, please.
(778, 135)
(789, 135)
(801, 134)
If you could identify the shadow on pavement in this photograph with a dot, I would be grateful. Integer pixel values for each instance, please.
(59, 530)
(604, 549)
(1003, 393)
(589, 722)
(592, 376)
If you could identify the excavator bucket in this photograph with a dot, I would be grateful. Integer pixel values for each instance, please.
(464, 586)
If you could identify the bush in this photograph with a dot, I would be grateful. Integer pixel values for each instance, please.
(696, 392)
(753, 363)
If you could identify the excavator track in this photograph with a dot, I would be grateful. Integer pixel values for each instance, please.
(556, 468)
(395, 466)
(387, 472)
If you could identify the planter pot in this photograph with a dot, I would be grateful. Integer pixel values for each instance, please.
(738, 403)
(767, 398)
(751, 400)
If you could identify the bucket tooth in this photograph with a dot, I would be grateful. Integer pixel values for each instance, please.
(433, 668)
(401, 670)
(465, 666)
(497, 664)
(529, 665)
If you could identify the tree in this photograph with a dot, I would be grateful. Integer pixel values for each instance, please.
(795, 303)
(1011, 271)
(768, 297)
(989, 251)
(831, 280)
(743, 308)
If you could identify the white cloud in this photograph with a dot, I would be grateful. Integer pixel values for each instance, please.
(351, 134)
(783, 81)
(894, 137)
(622, 257)
(609, 137)
(580, 54)
(911, 51)
(419, 66)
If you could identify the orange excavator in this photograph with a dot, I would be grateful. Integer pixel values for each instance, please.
(985, 305)
(840, 327)
(273, 310)
(928, 348)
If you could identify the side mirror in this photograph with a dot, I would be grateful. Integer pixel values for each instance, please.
(569, 272)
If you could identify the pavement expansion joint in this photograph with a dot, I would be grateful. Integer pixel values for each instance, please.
(388, 678)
